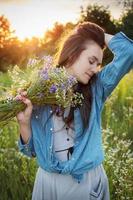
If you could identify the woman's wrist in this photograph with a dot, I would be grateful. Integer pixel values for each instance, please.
(25, 132)
(25, 123)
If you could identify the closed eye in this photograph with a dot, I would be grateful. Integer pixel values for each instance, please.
(91, 62)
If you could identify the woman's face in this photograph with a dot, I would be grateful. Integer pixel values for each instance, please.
(88, 63)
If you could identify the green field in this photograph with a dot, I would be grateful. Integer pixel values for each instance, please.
(17, 172)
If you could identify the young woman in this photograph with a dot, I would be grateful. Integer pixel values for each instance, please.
(68, 143)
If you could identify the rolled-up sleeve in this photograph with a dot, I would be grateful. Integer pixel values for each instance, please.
(28, 148)
(122, 48)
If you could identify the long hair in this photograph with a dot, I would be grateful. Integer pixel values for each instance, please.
(69, 52)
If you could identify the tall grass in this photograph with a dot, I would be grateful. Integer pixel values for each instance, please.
(118, 165)
(17, 172)
(118, 110)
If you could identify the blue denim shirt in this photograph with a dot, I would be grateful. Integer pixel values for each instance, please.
(88, 150)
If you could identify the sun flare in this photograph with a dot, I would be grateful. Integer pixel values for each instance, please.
(32, 18)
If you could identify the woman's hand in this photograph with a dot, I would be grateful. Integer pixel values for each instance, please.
(108, 37)
(24, 117)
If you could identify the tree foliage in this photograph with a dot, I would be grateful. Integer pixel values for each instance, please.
(127, 4)
(99, 15)
(15, 52)
(127, 23)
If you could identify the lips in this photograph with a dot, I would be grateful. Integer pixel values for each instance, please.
(88, 75)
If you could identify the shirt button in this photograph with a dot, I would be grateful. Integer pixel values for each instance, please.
(33, 154)
(51, 111)
(36, 116)
(68, 139)
(26, 148)
(51, 129)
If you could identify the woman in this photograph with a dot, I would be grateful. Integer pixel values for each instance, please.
(68, 143)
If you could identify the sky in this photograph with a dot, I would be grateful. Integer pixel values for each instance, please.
(33, 17)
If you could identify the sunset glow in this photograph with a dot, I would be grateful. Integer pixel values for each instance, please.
(33, 17)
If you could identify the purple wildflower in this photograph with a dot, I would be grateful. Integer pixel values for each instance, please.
(32, 61)
(72, 79)
(63, 86)
(47, 65)
(48, 59)
(44, 74)
(53, 88)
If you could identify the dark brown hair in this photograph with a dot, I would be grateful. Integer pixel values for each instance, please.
(70, 51)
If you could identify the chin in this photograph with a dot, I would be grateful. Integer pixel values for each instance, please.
(84, 82)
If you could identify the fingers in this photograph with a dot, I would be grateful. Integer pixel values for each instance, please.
(22, 92)
(29, 106)
(27, 102)
(22, 97)
(108, 37)
(26, 114)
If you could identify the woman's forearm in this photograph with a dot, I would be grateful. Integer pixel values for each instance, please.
(108, 37)
(25, 132)
(122, 48)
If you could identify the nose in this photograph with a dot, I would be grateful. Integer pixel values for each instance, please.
(95, 70)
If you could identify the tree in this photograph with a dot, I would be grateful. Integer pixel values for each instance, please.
(6, 34)
(99, 15)
(12, 50)
(55, 33)
(127, 23)
(47, 43)
(7, 40)
(127, 4)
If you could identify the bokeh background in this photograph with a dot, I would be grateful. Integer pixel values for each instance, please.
(34, 28)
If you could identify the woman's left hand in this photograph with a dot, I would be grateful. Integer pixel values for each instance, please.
(108, 37)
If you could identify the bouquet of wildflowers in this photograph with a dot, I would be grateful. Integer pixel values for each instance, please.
(44, 84)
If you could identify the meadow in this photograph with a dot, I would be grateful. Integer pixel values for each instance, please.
(17, 172)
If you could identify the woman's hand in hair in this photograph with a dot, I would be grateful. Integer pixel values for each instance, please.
(108, 37)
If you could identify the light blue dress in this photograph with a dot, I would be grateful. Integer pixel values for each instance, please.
(53, 186)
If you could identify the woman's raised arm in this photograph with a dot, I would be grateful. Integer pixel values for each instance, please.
(110, 75)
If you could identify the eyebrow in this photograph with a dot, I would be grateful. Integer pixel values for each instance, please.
(96, 59)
